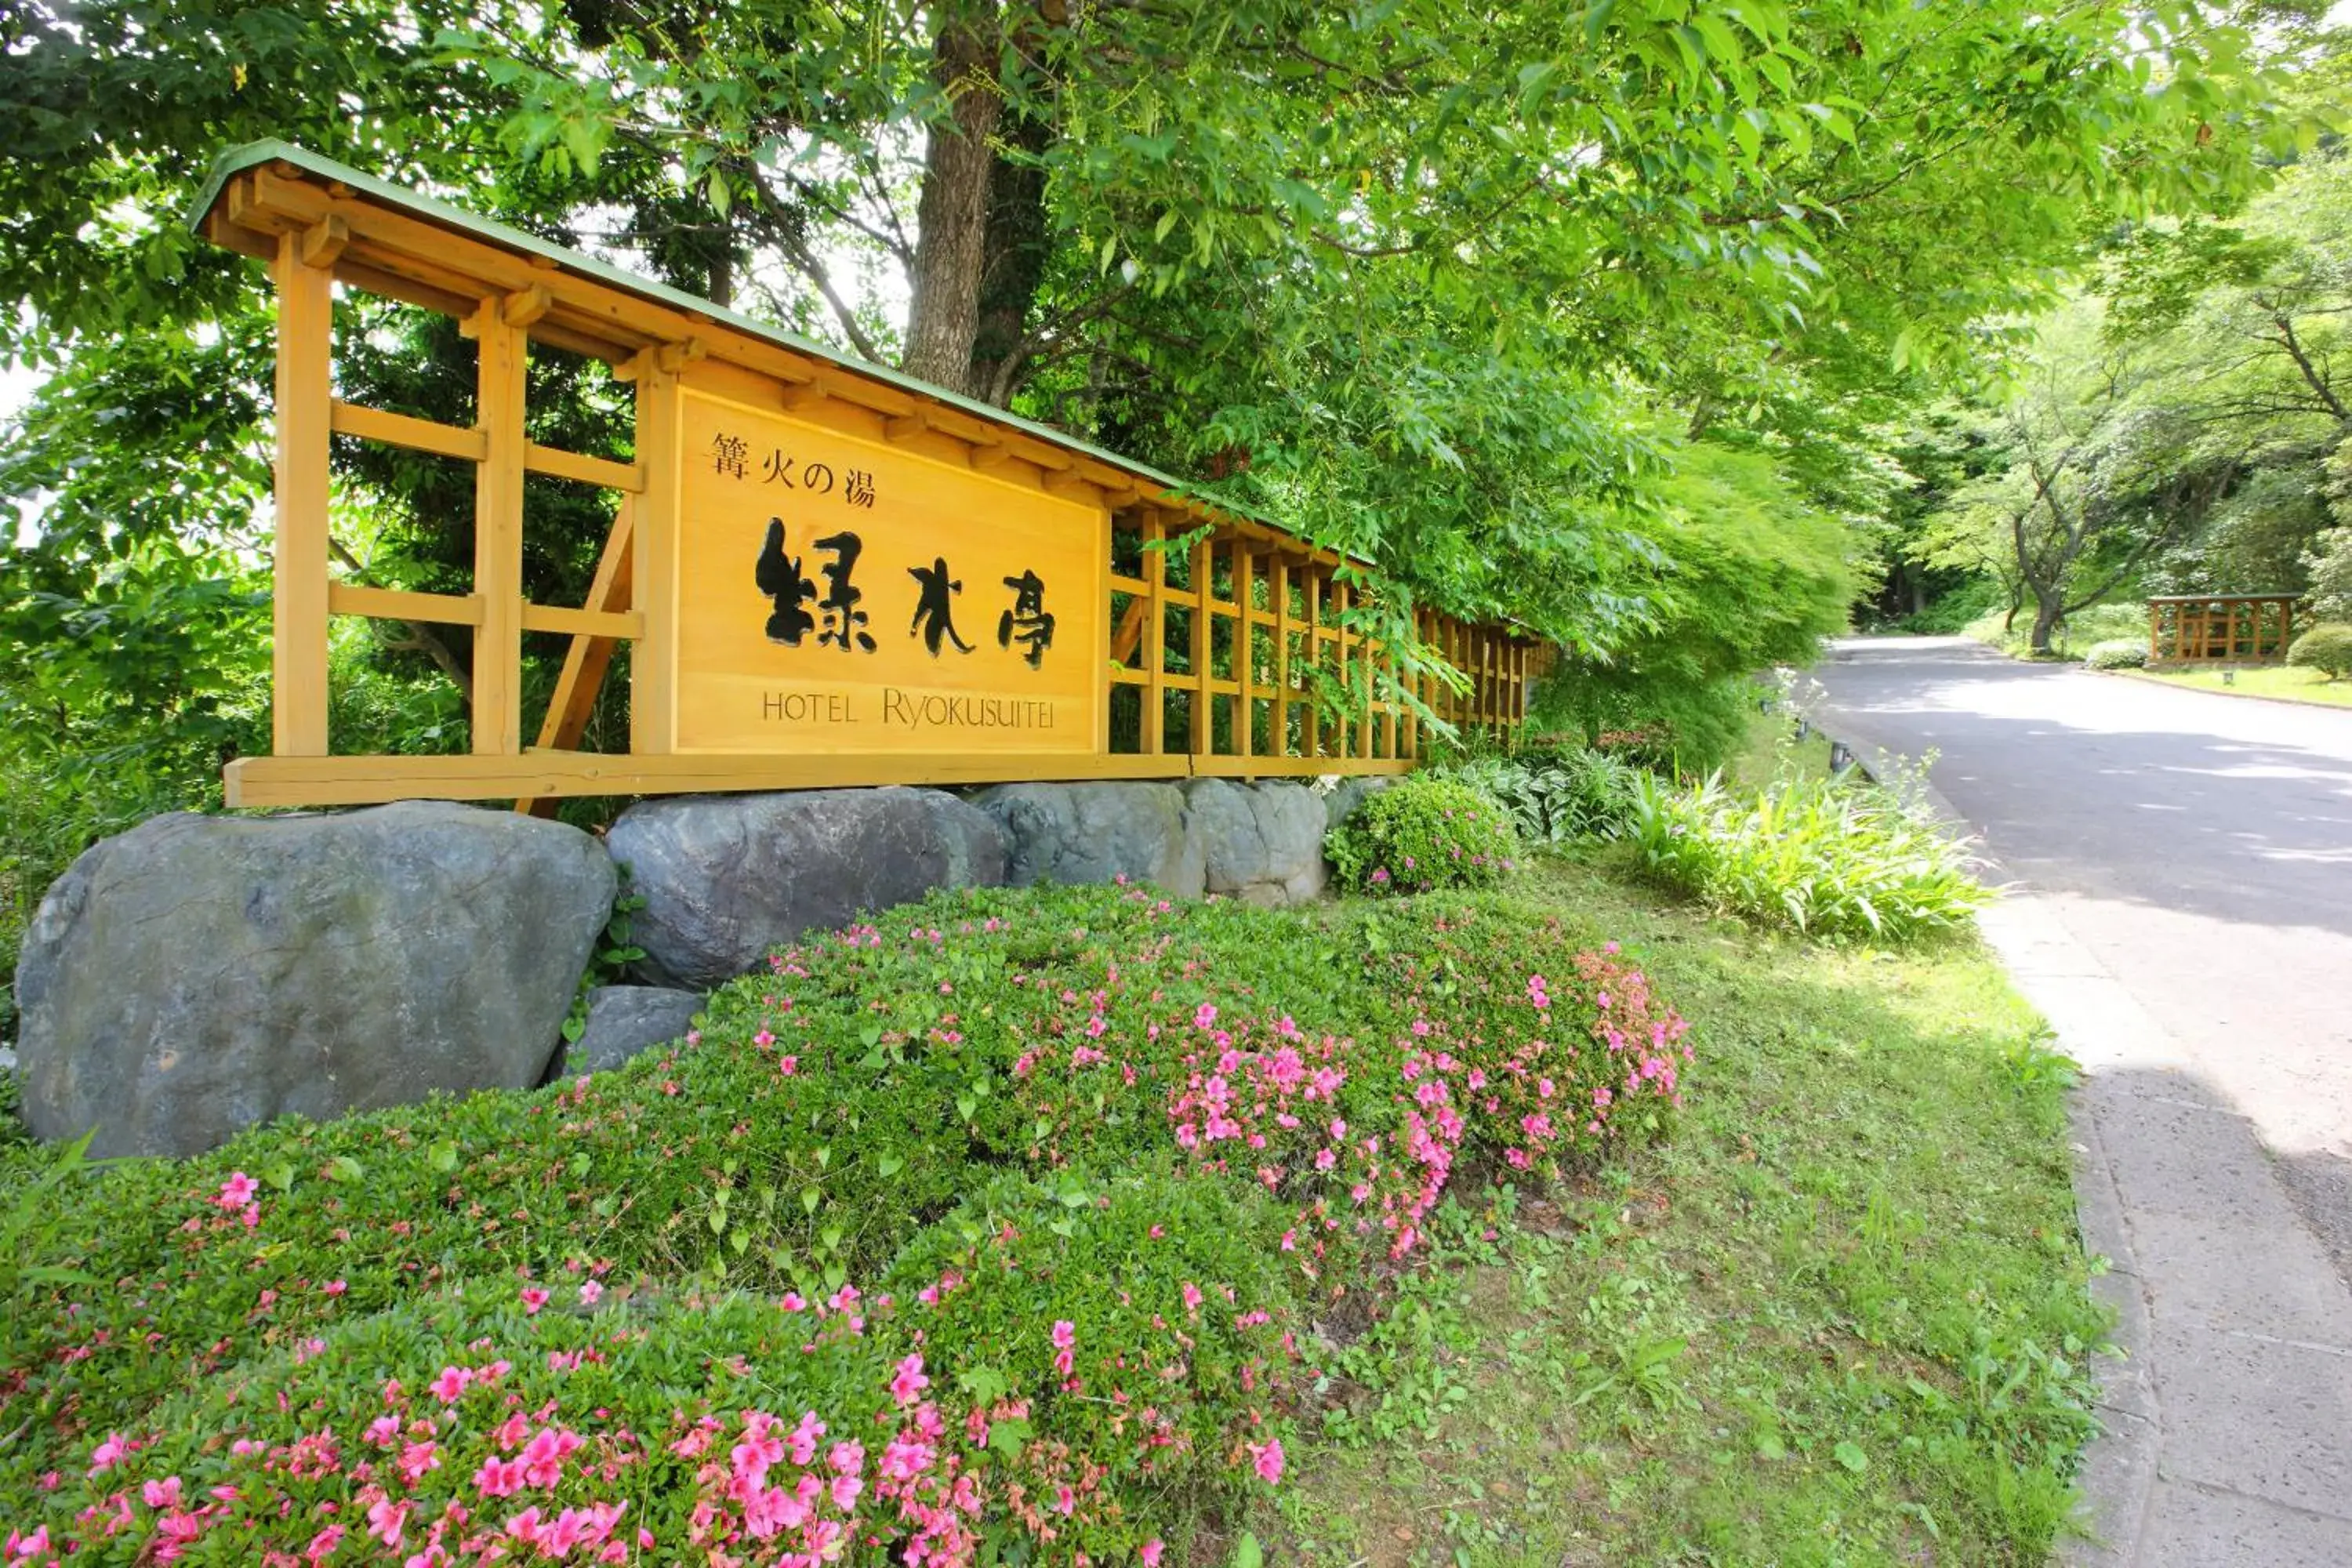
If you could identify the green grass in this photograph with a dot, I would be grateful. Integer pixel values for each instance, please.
(1839, 1318)
(1772, 751)
(2294, 685)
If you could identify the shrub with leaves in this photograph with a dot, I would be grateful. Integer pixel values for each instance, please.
(1556, 795)
(1022, 1197)
(2117, 653)
(1831, 858)
(1428, 832)
(2327, 648)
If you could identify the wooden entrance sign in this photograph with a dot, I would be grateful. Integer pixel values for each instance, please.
(827, 573)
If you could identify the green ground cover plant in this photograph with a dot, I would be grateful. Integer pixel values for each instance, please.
(997, 1227)
(1839, 1318)
(2278, 682)
(1428, 832)
(1556, 794)
(2116, 653)
(1828, 858)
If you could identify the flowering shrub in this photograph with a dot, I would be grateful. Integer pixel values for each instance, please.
(603, 1321)
(1429, 832)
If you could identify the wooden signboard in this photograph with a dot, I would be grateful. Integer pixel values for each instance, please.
(844, 596)
(826, 573)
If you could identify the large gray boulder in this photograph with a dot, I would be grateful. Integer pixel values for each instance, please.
(726, 877)
(1080, 833)
(1261, 842)
(198, 974)
(623, 1020)
(1348, 794)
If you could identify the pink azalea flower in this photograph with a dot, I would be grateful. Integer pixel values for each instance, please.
(237, 1191)
(107, 1453)
(533, 1298)
(908, 1385)
(1153, 1550)
(591, 1293)
(1191, 1297)
(1267, 1457)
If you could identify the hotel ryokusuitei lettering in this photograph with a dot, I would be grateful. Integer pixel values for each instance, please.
(875, 599)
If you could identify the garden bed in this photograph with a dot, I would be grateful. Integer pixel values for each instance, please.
(1084, 1223)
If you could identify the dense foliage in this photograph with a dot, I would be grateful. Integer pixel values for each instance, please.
(1554, 793)
(2327, 647)
(1825, 857)
(2177, 426)
(1001, 1221)
(1532, 314)
(1427, 831)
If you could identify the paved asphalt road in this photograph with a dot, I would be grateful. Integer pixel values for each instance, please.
(2200, 845)
(2183, 914)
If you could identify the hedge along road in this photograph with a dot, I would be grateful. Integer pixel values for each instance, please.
(2182, 911)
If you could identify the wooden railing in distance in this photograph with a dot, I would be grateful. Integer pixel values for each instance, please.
(2221, 628)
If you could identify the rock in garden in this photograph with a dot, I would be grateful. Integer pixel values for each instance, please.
(199, 974)
(1351, 793)
(1260, 842)
(727, 878)
(626, 1019)
(1080, 833)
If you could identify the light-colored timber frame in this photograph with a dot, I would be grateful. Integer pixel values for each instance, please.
(2221, 628)
(1233, 648)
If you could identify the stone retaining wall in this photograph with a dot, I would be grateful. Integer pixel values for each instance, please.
(199, 974)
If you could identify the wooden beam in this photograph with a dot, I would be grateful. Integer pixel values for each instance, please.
(629, 478)
(525, 306)
(401, 430)
(607, 623)
(1128, 633)
(400, 604)
(324, 241)
(256, 782)
(498, 537)
(905, 426)
(587, 659)
(987, 455)
(305, 416)
(653, 662)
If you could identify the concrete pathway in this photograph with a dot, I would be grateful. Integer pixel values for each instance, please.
(2182, 913)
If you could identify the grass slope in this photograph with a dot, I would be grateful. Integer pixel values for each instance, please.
(2288, 685)
(1839, 1318)
(1838, 1315)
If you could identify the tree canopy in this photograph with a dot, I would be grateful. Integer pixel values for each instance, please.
(1461, 292)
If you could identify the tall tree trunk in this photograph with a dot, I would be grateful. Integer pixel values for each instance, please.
(951, 217)
(2047, 609)
(1014, 260)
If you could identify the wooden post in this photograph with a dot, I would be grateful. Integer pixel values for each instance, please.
(2155, 652)
(1197, 741)
(653, 662)
(1244, 648)
(1155, 635)
(498, 533)
(305, 400)
(1277, 588)
(587, 657)
(1341, 746)
(1311, 645)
